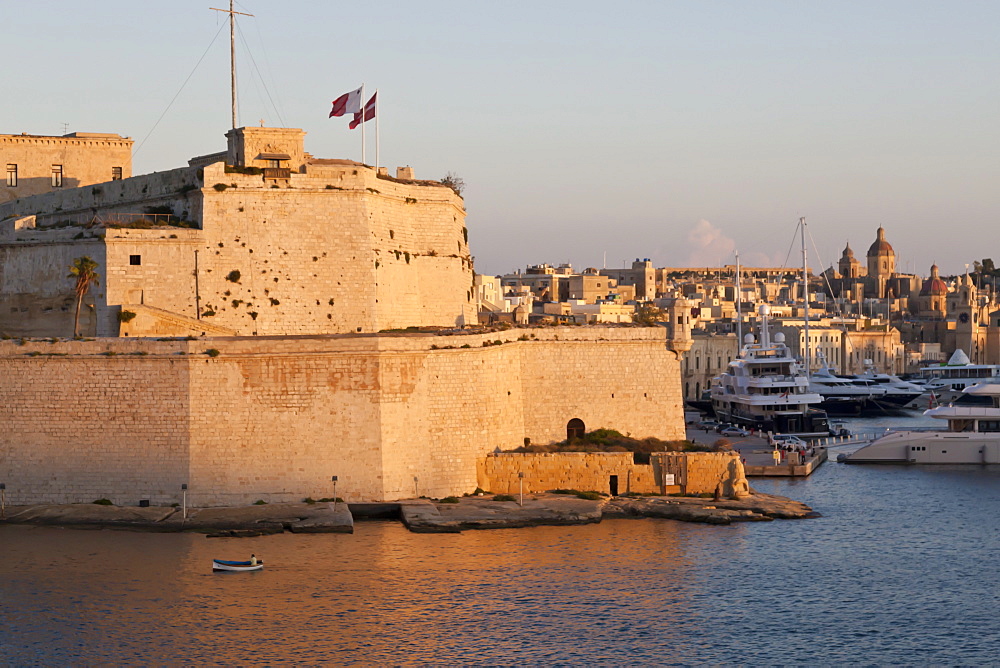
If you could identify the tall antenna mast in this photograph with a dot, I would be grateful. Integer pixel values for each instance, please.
(232, 49)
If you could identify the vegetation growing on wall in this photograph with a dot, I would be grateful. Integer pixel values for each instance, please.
(455, 182)
(125, 316)
(648, 316)
(609, 440)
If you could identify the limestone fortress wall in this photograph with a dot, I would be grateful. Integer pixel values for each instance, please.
(273, 418)
(314, 247)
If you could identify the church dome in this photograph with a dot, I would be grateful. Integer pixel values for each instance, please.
(881, 246)
(934, 285)
(848, 252)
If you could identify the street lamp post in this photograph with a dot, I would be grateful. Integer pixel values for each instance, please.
(520, 486)
(334, 480)
(3, 500)
(184, 500)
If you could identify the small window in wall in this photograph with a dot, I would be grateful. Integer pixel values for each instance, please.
(116, 173)
(57, 176)
(135, 260)
(11, 176)
(274, 164)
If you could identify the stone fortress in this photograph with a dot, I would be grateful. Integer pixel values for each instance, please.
(237, 342)
(261, 240)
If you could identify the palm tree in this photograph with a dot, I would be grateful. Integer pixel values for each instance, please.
(82, 270)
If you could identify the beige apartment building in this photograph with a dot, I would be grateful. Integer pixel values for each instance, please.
(37, 164)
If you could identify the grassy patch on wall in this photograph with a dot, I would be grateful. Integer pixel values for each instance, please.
(609, 440)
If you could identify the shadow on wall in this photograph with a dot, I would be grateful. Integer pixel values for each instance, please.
(22, 315)
(34, 186)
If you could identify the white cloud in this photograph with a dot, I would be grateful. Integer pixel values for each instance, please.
(708, 246)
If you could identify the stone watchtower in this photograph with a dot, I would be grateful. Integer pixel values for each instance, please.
(274, 149)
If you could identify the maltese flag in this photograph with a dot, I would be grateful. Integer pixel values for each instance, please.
(369, 113)
(348, 103)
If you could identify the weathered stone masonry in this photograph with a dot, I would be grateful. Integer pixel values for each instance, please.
(331, 247)
(274, 418)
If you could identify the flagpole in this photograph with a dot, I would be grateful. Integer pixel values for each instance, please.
(363, 162)
(232, 50)
(376, 129)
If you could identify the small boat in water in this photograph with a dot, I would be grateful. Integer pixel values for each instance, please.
(223, 565)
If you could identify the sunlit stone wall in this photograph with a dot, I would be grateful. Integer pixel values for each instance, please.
(242, 419)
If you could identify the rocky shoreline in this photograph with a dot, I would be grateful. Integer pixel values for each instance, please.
(418, 515)
(215, 522)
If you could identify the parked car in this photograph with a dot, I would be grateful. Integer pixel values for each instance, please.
(735, 431)
(708, 424)
(794, 441)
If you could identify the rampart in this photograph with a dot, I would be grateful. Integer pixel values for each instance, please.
(273, 418)
(691, 473)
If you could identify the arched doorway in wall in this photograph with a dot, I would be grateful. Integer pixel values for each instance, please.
(575, 429)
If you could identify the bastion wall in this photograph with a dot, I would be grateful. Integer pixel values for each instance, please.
(273, 418)
(333, 248)
(689, 473)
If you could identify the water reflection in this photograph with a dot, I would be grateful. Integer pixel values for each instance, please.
(896, 570)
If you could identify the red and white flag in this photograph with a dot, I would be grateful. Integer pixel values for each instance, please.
(369, 113)
(348, 103)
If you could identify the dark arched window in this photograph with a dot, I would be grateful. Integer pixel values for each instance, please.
(575, 429)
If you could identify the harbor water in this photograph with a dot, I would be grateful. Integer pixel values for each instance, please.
(899, 569)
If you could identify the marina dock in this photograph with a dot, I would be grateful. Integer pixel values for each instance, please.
(759, 460)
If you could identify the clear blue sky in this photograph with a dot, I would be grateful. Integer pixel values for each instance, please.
(677, 131)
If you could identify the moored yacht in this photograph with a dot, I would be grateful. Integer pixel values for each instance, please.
(958, 373)
(844, 396)
(765, 388)
(971, 437)
(896, 391)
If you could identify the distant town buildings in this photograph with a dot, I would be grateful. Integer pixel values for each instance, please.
(860, 311)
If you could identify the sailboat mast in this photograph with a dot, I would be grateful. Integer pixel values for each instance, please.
(739, 312)
(805, 291)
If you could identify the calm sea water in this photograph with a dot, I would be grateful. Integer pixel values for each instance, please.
(900, 569)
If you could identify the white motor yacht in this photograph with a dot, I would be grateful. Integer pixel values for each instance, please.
(765, 388)
(844, 396)
(958, 373)
(896, 392)
(971, 437)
